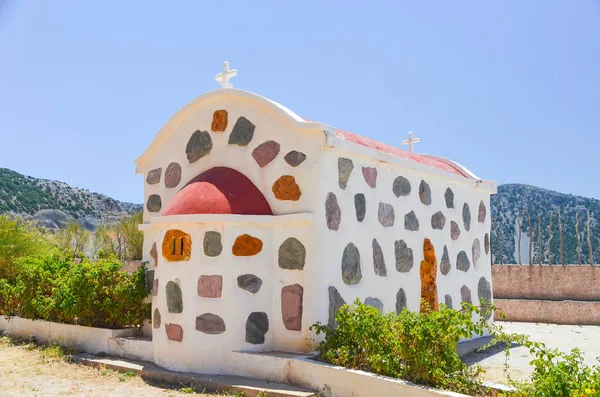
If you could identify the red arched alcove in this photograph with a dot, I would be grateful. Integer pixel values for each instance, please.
(220, 190)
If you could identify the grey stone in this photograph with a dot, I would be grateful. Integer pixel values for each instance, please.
(484, 291)
(292, 254)
(465, 294)
(404, 256)
(199, 145)
(438, 220)
(386, 215)
(486, 243)
(333, 214)
(462, 261)
(173, 175)
(476, 250)
(351, 273)
(378, 259)
(174, 297)
(400, 300)
(149, 279)
(449, 196)
(466, 213)
(482, 213)
(335, 302)
(294, 158)
(445, 265)
(257, 325)
(265, 153)
(454, 230)
(212, 244)
(375, 302)
(411, 222)
(425, 193)
(448, 301)
(249, 282)
(154, 203)
(156, 320)
(153, 176)
(242, 133)
(345, 167)
(401, 186)
(360, 205)
(211, 324)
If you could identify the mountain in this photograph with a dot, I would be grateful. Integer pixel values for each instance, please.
(52, 204)
(513, 199)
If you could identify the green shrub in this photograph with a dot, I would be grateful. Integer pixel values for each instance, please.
(55, 288)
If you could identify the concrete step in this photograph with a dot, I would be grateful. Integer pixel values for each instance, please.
(212, 383)
(133, 348)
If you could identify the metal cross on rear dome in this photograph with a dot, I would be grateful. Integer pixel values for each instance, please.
(223, 78)
(410, 142)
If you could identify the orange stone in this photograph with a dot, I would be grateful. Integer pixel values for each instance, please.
(286, 188)
(176, 246)
(246, 245)
(219, 122)
(428, 272)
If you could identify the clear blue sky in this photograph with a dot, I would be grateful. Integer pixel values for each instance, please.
(511, 90)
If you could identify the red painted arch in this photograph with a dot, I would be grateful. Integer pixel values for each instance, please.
(220, 190)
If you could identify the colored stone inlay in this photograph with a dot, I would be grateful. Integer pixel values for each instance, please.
(199, 145)
(438, 220)
(445, 265)
(174, 297)
(476, 251)
(153, 176)
(454, 230)
(351, 273)
(174, 332)
(345, 167)
(466, 213)
(486, 243)
(465, 294)
(482, 213)
(154, 254)
(404, 256)
(265, 153)
(360, 206)
(154, 203)
(411, 222)
(335, 302)
(210, 323)
(401, 186)
(150, 279)
(286, 188)
(212, 244)
(333, 213)
(173, 175)
(176, 246)
(370, 175)
(428, 271)
(257, 325)
(249, 282)
(374, 302)
(448, 301)
(156, 319)
(378, 259)
(292, 254)
(449, 197)
(294, 158)
(386, 215)
(155, 287)
(484, 291)
(400, 300)
(246, 245)
(219, 121)
(291, 306)
(210, 286)
(462, 261)
(425, 193)
(242, 133)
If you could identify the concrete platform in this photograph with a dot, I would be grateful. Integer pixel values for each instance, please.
(212, 383)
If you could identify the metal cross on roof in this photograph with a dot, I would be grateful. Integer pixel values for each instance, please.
(223, 78)
(410, 142)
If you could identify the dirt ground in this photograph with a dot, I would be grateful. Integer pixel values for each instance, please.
(29, 370)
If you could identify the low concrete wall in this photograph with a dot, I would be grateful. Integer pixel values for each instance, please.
(553, 312)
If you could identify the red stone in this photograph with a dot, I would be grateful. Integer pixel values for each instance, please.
(174, 332)
(291, 306)
(370, 175)
(210, 286)
(220, 190)
(265, 153)
(454, 230)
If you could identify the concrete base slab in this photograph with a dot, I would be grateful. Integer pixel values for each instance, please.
(213, 383)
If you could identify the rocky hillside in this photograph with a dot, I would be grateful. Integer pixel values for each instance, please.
(52, 203)
(513, 199)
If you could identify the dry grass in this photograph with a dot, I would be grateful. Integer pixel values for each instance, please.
(30, 370)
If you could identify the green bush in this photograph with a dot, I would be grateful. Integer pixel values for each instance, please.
(55, 288)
